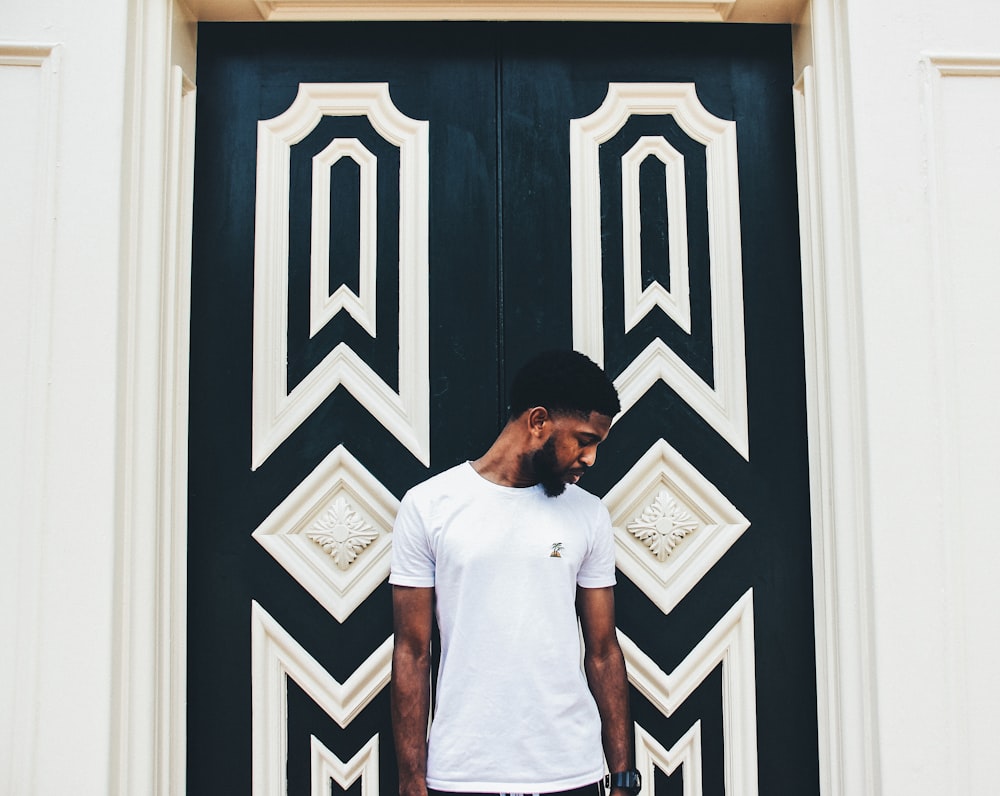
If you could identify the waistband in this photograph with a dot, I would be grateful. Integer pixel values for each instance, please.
(594, 789)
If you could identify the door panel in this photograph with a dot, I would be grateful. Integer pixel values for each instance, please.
(444, 200)
(339, 467)
(738, 491)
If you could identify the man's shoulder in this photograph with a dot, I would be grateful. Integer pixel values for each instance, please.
(583, 507)
(441, 484)
(579, 496)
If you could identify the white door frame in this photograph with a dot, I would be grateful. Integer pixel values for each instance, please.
(150, 635)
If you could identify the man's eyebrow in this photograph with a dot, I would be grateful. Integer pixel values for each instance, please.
(590, 436)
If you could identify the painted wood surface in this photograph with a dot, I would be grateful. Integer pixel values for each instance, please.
(731, 651)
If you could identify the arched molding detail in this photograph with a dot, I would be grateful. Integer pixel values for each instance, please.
(724, 406)
(276, 656)
(675, 302)
(729, 643)
(324, 304)
(277, 412)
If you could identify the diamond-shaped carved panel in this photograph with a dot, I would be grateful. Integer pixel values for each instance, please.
(333, 533)
(671, 525)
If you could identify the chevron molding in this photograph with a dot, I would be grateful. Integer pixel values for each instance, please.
(650, 755)
(332, 533)
(730, 643)
(325, 767)
(663, 500)
(324, 304)
(639, 301)
(724, 406)
(276, 411)
(276, 656)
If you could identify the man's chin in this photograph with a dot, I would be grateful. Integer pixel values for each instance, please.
(553, 487)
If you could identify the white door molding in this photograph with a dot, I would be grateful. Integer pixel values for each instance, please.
(150, 653)
(601, 10)
(277, 410)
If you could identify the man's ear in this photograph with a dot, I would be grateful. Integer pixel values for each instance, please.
(537, 418)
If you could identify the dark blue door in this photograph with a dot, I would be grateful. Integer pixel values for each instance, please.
(389, 218)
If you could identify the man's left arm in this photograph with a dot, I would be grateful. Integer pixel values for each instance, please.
(604, 666)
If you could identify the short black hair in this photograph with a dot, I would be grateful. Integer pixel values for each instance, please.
(563, 381)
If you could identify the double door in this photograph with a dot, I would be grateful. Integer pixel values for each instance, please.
(389, 219)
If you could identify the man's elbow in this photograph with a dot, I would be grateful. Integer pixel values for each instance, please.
(608, 658)
(412, 657)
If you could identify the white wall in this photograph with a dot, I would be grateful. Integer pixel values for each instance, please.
(928, 203)
(60, 156)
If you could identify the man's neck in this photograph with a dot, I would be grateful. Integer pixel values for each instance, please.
(505, 463)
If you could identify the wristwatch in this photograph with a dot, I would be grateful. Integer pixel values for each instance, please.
(629, 780)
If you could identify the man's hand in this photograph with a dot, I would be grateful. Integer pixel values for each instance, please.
(413, 615)
(604, 666)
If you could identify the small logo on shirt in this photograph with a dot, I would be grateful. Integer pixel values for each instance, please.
(557, 548)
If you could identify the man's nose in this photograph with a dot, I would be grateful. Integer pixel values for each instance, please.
(589, 456)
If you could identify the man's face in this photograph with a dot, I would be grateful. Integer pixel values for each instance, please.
(569, 450)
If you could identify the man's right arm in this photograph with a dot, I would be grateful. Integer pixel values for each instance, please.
(413, 614)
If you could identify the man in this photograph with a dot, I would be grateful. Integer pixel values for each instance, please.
(509, 552)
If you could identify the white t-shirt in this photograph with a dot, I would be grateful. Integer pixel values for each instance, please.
(513, 712)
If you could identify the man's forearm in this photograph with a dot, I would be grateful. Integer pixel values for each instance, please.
(608, 682)
(410, 691)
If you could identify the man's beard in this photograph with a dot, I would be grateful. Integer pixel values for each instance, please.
(546, 469)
